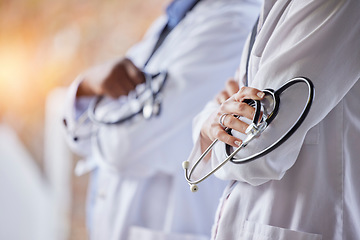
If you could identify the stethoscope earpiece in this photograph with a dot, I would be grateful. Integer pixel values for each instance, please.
(185, 164)
(194, 188)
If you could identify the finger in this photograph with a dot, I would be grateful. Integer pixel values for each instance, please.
(237, 108)
(223, 136)
(232, 87)
(119, 88)
(114, 90)
(134, 73)
(85, 89)
(235, 123)
(249, 93)
(128, 80)
(128, 83)
(222, 97)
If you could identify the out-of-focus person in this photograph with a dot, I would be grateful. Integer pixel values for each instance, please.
(137, 189)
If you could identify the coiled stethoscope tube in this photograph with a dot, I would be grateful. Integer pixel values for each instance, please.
(150, 107)
(148, 98)
(255, 129)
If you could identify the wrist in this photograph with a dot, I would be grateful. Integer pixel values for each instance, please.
(205, 141)
(84, 90)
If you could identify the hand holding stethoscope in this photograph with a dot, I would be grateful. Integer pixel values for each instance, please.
(112, 79)
(260, 106)
(116, 79)
(232, 104)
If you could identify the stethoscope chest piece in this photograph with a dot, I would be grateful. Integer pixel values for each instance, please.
(152, 107)
(148, 110)
(146, 102)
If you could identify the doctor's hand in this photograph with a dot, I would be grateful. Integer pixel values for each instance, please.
(113, 79)
(212, 128)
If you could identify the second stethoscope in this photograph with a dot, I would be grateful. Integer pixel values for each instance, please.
(268, 108)
(145, 100)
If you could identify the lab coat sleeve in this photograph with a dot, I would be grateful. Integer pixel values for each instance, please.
(197, 66)
(78, 131)
(315, 39)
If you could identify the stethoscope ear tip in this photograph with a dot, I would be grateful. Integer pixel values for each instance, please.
(194, 188)
(185, 164)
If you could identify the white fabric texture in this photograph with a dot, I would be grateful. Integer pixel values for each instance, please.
(26, 202)
(306, 188)
(140, 183)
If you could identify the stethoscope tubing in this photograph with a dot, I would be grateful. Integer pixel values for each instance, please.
(91, 112)
(293, 128)
(281, 140)
(188, 173)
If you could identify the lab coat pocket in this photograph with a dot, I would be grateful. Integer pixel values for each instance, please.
(137, 233)
(256, 231)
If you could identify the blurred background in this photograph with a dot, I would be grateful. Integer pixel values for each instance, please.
(44, 45)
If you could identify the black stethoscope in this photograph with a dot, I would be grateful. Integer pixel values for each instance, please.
(268, 108)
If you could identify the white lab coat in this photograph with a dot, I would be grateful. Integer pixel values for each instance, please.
(140, 188)
(308, 187)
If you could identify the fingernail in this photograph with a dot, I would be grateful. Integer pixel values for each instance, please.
(261, 94)
(237, 143)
